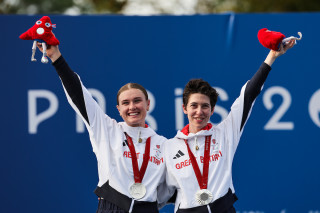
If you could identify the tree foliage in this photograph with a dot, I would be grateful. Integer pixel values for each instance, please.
(34, 6)
(144, 7)
(277, 6)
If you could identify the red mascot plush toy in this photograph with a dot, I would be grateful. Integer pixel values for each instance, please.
(41, 32)
(272, 40)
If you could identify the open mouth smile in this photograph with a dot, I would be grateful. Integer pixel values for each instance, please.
(133, 113)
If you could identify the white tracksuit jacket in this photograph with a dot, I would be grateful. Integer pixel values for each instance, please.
(224, 141)
(109, 142)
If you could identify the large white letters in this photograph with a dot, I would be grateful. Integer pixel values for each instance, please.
(314, 108)
(274, 123)
(179, 115)
(222, 112)
(150, 119)
(35, 119)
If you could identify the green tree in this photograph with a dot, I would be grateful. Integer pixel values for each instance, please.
(60, 6)
(277, 6)
(149, 7)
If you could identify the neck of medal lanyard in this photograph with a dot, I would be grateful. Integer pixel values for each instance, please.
(139, 174)
(202, 179)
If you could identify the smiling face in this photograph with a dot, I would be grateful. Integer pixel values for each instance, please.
(198, 110)
(133, 107)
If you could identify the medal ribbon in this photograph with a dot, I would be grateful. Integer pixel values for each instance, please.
(138, 174)
(202, 179)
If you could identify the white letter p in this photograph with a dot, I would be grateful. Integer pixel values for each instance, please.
(34, 119)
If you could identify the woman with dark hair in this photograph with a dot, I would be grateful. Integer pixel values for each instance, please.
(199, 158)
(123, 149)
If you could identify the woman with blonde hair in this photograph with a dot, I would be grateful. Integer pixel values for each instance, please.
(129, 153)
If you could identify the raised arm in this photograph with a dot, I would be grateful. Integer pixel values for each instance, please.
(70, 79)
(273, 55)
(255, 84)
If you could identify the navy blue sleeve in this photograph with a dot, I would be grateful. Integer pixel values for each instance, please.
(72, 84)
(253, 89)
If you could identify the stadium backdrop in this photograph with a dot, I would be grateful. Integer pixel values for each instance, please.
(46, 160)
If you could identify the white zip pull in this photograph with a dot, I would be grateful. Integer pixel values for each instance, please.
(139, 136)
(196, 141)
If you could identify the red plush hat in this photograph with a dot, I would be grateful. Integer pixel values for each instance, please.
(270, 39)
(41, 32)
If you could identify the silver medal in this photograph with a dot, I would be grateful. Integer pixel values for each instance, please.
(204, 197)
(137, 190)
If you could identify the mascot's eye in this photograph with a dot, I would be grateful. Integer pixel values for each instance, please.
(38, 22)
(48, 24)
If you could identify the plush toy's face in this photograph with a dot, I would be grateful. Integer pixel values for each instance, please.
(43, 25)
(42, 30)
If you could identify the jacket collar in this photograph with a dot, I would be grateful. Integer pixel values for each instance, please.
(185, 134)
(135, 132)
